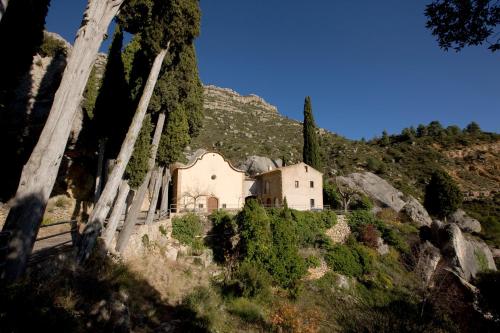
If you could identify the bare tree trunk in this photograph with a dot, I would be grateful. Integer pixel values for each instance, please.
(3, 8)
(40, 172)
(164, 194)
(154, 198)
(116, 213)
(102, 207)
(99, 175)
(134, 211)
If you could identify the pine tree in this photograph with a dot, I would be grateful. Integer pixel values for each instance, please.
(175, 137)
(442, 195)
(310, 151)
(112, 106)
(385, 140)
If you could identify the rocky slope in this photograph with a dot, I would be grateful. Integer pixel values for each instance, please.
(241, 126)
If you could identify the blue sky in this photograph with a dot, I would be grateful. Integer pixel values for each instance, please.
(367, 65)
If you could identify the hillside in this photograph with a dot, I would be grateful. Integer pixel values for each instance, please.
(240, 126)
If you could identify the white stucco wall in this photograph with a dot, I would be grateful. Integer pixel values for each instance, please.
(299, 198)
(227, 185)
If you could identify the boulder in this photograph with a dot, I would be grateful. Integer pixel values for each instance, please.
(467, 256)
(428, 259)
(254, 165)
(383, 193)
(416, 213)
(382, 248)
(465, 222)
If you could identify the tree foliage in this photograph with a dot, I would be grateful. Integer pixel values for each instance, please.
(113, 112)
(174, 137)
(310, 153)
(460, 23)
(137, 167)
(442, 195)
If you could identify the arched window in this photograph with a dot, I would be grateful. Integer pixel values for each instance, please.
(266, 187)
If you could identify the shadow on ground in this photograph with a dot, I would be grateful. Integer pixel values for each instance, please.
(103, 296)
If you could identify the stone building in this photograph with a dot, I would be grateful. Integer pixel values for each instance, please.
(210, 182)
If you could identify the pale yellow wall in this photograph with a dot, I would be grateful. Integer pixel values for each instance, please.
(299, 198)
(197, 179)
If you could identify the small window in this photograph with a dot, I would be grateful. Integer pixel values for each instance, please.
(307, 168)
(213, 177)
(224, 206)
(200, 206)
(266, 187)
(311, 184)
(312, 203)
(296, 184)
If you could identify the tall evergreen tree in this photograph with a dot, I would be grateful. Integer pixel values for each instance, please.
(310, 151)
(113, 113)
(442, 195)
(137, 167)
(175, 137)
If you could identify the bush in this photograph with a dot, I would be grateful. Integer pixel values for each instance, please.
(252, 280)
(442, 195)
(310, 226)
(362, 202)
(359, 218)
(342, 259)
(187, 228)
(224, 230)
(369, 235)
(313, 262)
(246, 310)
(331, 196)
(52, 47)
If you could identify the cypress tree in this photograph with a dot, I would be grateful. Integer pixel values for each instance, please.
(137, 166)
(113, 112)
(310, 151)
(442, 195)
(175, 137)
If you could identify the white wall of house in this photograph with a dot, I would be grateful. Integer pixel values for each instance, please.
(209, 176)
(309, 193)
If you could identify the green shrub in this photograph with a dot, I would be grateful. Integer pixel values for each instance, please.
(162, 230)
(359, 218)
(205, 304)
(52, 47)
(313, 261)
(362, 202)
(252, 280)
(286, 266)
(187, 228)
(342, 259)
(223, 232)
(246, 310)
(369, 235)
(351, 260)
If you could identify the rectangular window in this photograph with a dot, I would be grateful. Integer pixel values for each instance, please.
(266, 187)
(311, 184)
(200, 206)
(307, 169)
(312, 203)
(224, 206)
(296, 184)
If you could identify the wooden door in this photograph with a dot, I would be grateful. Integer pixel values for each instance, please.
(212, 204)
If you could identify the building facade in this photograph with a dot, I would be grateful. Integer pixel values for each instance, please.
(210, 182)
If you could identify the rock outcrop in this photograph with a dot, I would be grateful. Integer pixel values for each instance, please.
(466, 255)
(428, 259)
(376, 188)
(230, 100)
(416, 213)
(465, 222)
(258, 164)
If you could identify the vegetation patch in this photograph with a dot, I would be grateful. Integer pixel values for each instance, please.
(187, 229)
